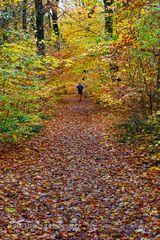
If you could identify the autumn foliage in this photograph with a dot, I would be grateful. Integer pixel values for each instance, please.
(70, 169)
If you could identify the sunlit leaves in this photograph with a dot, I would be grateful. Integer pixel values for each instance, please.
(23, 87)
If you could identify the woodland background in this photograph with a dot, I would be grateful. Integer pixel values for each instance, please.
(46, 47)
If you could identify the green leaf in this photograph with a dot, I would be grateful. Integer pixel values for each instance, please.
(11, 210)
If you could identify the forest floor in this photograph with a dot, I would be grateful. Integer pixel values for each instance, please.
(74, 181)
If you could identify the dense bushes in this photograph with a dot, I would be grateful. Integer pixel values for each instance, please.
(25, 89)
(145, 131)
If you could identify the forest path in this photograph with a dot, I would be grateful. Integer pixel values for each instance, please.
(74, 182)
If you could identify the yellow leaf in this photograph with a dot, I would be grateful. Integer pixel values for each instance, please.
(154, 169)
(142, 11)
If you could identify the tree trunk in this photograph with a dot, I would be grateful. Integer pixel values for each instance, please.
(4, 23)
(53, 14)
(24, 15)
(39, 27)
(108, 16)
(32, 25)
(49, 21)
(55, 24)
(158, 76)
(148, 92)
(158, 83)
(55, 18)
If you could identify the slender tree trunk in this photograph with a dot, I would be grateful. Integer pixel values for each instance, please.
(108, 16)
(53, 14)
(158, 83)
(3, 27)
(39, 27)
(149, 93)
(55, 18)
(24, 15)
(49, 21)
(55, 24)
(158, 77)
(32, 26)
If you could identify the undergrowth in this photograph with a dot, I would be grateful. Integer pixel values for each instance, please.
(28, 90)
(145, 131)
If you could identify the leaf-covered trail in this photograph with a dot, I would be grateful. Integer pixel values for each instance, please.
(75, 182)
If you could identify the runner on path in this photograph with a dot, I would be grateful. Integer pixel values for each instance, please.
(80, 90)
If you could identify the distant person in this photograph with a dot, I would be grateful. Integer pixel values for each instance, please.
(80, 90)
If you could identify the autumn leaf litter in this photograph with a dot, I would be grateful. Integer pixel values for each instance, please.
(74, 181)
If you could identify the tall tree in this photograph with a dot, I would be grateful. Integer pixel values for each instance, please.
(54, 15)
(24, 15)
(39, 26)
(53, 19)
(5, 18)
(108, 16)
(158, 80)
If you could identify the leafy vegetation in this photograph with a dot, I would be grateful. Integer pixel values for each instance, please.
(114, 51)
(120, 68)
(146, 131)
(24, 89)
(74, 180)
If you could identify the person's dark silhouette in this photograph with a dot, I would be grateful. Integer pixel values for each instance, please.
(80, 91)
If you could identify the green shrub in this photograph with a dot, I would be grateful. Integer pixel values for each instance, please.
(147, 131)
(25, 89)
(36, 128)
